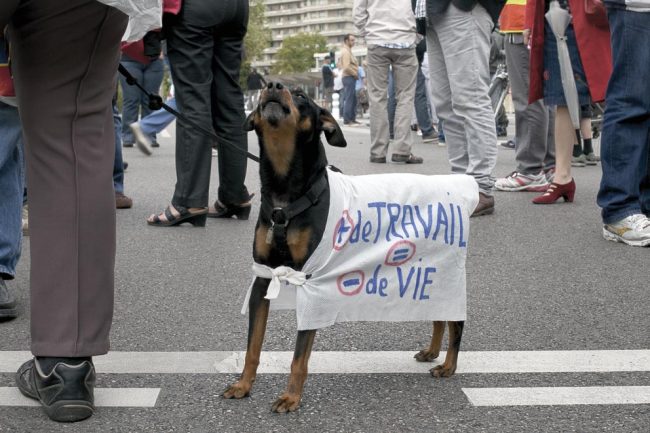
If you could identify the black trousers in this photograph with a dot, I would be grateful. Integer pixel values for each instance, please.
(205, 47)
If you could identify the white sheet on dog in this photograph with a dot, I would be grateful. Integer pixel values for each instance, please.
(394, 249)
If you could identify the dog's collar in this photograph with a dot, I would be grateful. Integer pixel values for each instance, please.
(280, 216)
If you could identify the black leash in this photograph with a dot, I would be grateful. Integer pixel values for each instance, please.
(156, 103)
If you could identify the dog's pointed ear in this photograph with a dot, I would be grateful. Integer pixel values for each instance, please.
(249, 123)
(332, 131)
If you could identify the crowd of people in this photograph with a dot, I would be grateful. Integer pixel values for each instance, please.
(61, 133)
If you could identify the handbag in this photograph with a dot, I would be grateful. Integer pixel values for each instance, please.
(596, 14)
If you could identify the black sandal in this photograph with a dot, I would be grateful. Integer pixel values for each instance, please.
(241, 211)
(197, 219)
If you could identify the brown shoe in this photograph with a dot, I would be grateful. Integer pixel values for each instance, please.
(408, 159)
(122, 201)
(485, 205)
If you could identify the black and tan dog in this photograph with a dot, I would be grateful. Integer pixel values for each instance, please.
(295, 204)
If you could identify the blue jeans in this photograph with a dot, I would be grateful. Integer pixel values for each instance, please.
(625, 144)
(134, 101)
(11, 185)
(118, 163)
(350, 99)
(158, 120)
(422, 105)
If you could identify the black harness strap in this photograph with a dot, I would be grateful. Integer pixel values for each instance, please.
(280, 216)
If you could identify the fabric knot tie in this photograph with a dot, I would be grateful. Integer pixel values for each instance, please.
(279, 275)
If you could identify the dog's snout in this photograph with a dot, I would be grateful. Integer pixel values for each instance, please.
(274, 86)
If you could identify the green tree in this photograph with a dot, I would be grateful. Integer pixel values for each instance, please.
(258, 37)
(297, 52)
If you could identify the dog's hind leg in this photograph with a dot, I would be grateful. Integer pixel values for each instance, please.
(289, 401)
(428, 355)
(448, 368)
(257, 316)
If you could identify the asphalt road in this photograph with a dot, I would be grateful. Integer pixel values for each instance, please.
(540, 278)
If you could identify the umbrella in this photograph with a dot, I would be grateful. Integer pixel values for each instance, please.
(559, 20)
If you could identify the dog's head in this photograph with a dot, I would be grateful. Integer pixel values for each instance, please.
(289, 124)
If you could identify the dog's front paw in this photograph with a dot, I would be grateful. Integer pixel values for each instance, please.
(426, 355)
(286, 403)
(239, 389)
(443, 371)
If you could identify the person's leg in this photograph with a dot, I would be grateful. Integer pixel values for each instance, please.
(11, 185)
(152, 77)
(377, 95)
(131, 99)
(349, 111)
(405, 69)
(625, 142)
(549, 156)
(470, 131)
(391, 104)
(531, 120)
(586, 114)
(118, 163)
(422, 105)
(564, 137)
(190, 49)
(441, 98)
(158, 120)
(228, 111)
(427, 79)
(70, 152)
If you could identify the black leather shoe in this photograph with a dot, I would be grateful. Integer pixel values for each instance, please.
(7, 302)
(66, 393)
(485, 205)
(408, 159)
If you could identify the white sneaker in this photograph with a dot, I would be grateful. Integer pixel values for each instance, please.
(633, 230)
(522, 182)
(141, 140)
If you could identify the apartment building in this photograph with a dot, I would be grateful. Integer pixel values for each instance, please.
(330, 18)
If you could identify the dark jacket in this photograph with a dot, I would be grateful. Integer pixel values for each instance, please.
(493, 7)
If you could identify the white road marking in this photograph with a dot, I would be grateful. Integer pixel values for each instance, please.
(551, 396)
(106, 397)
(361, 362)
(165, 134)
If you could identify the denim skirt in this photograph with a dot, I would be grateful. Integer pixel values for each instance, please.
(553, 91)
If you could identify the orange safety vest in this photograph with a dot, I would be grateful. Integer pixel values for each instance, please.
(512, 18)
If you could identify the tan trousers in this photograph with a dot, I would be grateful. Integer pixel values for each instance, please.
(65, 56)
(405, 68)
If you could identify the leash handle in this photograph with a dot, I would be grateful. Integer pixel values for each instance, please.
(156, 103)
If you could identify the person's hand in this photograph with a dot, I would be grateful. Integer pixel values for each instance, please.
(526, 35)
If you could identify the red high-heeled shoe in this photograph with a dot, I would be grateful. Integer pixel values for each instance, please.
(555, 191)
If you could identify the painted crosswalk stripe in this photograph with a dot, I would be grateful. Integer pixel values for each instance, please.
(165, 134)
(106, 397)
(551, 396)
(334, 362)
